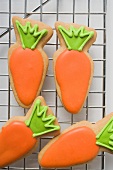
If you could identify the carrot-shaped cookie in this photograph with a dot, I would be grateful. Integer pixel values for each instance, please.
(27, 61)
(19, 136)
(78, 144)
(73, 66)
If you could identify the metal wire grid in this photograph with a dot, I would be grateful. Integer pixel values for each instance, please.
(11, 107)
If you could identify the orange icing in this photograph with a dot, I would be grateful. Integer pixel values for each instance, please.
(73, 72)
(15, 141)
(74, 147)
(26, 67)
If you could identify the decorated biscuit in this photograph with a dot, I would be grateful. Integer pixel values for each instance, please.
(19, 136)
(78, 144)
(27, 61)
(73, 66)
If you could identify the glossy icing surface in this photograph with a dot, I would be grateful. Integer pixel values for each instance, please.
(105, 137)
(30, 36)
(40, 123)
(74, 147)
(15, 141)
(73, 72)
(26, 68)
(75, 38)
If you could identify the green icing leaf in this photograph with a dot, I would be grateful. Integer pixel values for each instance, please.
(105, 137)
(111, 137)
(75, 38)
(29, 36)
(39, 122)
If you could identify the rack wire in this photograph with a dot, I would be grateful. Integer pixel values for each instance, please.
(87, 12)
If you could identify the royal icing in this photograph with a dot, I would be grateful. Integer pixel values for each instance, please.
(29, 35)
(75, 38)
(73, 73)
(39, 122)
(26, 67)
(15, 141)
(105, 137)
(73, 147)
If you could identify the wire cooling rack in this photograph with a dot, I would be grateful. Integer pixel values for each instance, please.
(91, 13)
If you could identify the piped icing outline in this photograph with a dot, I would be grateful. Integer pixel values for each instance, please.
(105, 137)
(29, 34)
(75, 38)
(40, 113)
